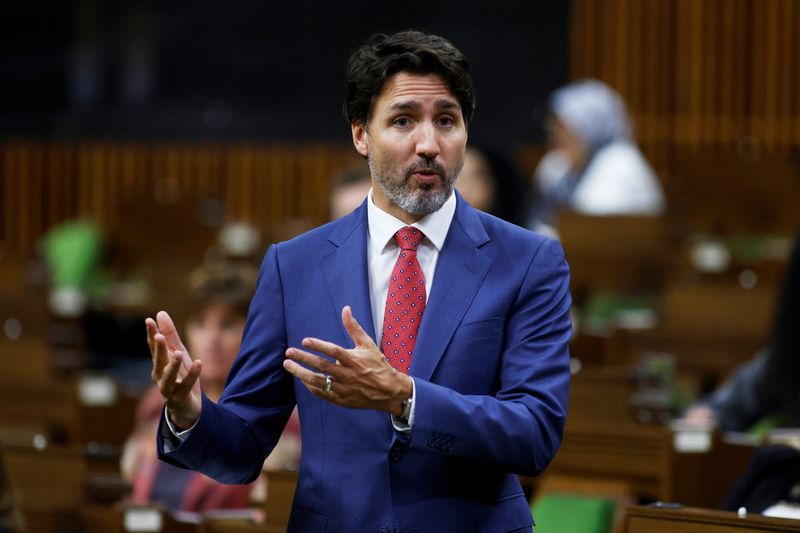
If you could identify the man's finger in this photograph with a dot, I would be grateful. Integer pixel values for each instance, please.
(330, 349)
(327, 396)
(354, 329)
(167, 327)
(170, 377)
(152, 328)
(184, 388)
(310, 379)
(314, 361)
(160, 355)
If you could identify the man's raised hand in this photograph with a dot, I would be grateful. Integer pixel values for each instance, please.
(174, 372)
(361, 377)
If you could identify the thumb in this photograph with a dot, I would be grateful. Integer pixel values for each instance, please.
(354, 329)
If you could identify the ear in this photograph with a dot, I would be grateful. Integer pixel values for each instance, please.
(359, 131)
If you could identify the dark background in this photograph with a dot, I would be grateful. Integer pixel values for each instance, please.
(253, 69)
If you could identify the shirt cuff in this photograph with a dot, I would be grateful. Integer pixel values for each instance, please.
(401, 425)
(174, 437)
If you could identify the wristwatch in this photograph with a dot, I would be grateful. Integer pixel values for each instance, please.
(405, 414)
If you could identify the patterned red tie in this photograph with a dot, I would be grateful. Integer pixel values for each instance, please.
(405, 302)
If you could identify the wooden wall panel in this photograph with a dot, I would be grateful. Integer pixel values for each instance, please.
(697, 73)
(43, 183)
(710, 84)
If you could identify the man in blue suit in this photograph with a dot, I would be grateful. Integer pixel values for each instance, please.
(424, 342)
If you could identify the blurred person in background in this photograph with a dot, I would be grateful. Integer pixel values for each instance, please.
(349, 189)
(767, 388)
(217, 308)
(9, 515)
(593, 166)
(490, 182)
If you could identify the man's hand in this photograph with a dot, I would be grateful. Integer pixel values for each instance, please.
(174, 371)
(361, 376)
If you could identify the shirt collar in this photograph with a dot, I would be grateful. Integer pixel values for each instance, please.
(383, 226)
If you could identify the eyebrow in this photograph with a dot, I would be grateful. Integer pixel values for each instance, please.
(415, 105)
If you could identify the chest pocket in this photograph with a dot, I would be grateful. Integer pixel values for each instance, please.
(472, 331)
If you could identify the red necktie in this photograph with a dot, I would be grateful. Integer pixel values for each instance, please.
(405, 302)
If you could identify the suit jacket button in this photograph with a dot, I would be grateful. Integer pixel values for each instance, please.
(396, 453)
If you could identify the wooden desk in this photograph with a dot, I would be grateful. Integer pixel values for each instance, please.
(613, 253)
(640, 519)
(717, 310)
(603, 442)
(216, 525)
(111, 519)
(644, 458)
(633, 454)
(280, 493)
(48, 485)
(25, 358)
(55, 409)
(699, 358)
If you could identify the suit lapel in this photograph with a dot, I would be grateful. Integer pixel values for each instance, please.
(345, 269)
(460, 270)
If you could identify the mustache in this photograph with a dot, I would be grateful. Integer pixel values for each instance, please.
(425, 165)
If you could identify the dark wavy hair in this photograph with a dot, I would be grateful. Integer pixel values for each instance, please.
(408, 51)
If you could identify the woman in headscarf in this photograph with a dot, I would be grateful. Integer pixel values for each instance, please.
(593, 166)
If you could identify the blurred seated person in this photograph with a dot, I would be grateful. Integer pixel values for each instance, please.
(9, 514)
(488, 181)
(593, 166)
(216, 312)
(767, 388)
(349, 190)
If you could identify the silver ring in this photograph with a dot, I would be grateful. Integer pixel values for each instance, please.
(328, 383)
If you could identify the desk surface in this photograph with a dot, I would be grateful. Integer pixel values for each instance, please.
(640, 519)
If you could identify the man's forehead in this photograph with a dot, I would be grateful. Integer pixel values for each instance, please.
(409, 86)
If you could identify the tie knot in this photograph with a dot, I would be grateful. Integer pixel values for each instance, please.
(408, 238)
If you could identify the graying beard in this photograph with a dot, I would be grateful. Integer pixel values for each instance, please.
(421, 205)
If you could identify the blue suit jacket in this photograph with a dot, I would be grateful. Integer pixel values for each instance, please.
(491, 371)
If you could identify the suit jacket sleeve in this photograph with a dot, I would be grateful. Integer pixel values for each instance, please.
(231, 440)
(519, 427)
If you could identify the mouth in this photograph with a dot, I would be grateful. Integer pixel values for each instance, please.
(426, 176)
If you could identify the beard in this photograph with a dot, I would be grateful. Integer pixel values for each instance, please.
(427, 198)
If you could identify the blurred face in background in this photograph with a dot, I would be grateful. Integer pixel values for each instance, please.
(214, 336)
(476, 182)
(561, 138)
(348, 197)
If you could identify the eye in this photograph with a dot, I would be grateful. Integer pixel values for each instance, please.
(447, 121)
(401, 122)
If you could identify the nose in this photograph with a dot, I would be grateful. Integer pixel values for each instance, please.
(427, 141)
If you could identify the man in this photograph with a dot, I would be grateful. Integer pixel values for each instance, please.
(425, 342)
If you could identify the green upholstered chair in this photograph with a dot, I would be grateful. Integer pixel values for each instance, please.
(566, 513)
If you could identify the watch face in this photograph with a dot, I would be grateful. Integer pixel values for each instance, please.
(406, 414)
